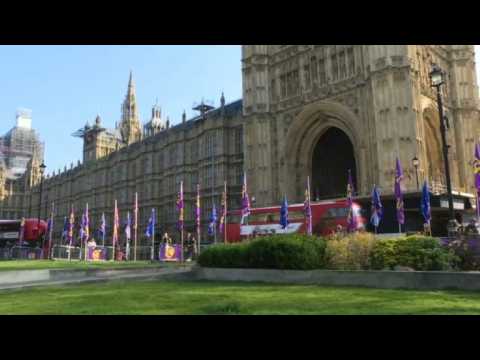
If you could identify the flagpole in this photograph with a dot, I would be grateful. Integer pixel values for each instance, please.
(152, 255)
(128, 236)
(309, 232)
(199, 220)
(225, 213)
(114, 229)
(135, 228)
(70, 234)
(81, 237)
(86, 234)
(50, 233)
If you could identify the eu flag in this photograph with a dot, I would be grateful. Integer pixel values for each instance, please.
(377, 208)
(351, 219)
(425, 205)
(151, 225)
(65, 228)
(213, 221)
(398, 194)
(284, 213)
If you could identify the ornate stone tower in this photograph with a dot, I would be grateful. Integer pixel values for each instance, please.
(3, 179)
(32, 174)
(319, 110)
(130, 127)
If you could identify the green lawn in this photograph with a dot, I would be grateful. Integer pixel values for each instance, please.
(48, 264)
(168, 297)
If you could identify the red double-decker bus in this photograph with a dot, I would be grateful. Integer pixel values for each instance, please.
(326, 216)
(33, 232)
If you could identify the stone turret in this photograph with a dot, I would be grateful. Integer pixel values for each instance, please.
(130, 124)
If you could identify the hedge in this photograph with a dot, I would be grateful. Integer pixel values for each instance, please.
(356, 251)
(293, 252)
(420, 253)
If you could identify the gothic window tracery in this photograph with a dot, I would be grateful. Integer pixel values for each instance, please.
(313, 62)
(334, 67)
(322, 72)
(342, 65)
(307, 78)
(351, 61)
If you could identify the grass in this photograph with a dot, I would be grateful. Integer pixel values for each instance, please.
(60, 264)
(171, 297)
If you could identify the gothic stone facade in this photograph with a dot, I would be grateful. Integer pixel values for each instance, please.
(307, 110)
(378, 96)
(154, 167)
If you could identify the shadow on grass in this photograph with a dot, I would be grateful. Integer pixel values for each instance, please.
(228, 308)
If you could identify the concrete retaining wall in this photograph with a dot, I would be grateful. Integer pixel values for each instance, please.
(49, 275)
(420, 280)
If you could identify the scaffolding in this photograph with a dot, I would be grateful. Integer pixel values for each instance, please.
(18, 146)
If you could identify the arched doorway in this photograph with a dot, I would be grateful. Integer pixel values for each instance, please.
(433, 147)
(325, 127)
(332, 157)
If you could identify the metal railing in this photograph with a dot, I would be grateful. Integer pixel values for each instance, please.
(65, 252)
(5, 254)
(26, 253)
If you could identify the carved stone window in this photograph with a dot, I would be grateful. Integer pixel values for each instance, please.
(313, 62)
(334, 68)
(322, 72)
(342, 65)
(351, 61)
(307, 78)
(283, 86)
(273, 89)
(238, 135)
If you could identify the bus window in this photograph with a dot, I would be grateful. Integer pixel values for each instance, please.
(271, 218)
(337, 213)
(233, 219)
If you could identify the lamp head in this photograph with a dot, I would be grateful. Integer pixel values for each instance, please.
(42, 168)
(437, 76)
(415, 162)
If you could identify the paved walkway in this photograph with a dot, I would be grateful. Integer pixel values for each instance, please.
(134, 274)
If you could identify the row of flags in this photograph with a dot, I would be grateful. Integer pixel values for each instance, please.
(375, 218)
(377, 208)
(425, 199)
(69, 223)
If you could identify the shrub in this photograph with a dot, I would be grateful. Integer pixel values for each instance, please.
(224, 256)
(467, 249)
(351, 252)
(383, 255)
(420, 253)
(295, 252)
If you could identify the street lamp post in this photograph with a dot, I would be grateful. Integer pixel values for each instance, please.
(416, 163)
(437, 78)
(42, 171)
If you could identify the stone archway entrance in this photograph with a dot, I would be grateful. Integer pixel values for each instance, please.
(332, 157)
(323, 142)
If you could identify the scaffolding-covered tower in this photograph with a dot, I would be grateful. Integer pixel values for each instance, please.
(19, 144)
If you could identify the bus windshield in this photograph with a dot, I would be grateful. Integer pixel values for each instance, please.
(267, 218)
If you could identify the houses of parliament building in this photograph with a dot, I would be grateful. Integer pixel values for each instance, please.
(306, 111)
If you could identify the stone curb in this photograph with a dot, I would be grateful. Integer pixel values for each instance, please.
(33, 278)
(415, 280)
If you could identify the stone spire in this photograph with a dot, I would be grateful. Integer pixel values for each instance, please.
(130, 124)
(222, 100)
(222, 104)
(184, 116)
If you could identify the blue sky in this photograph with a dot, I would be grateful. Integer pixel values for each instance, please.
(65, 86)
